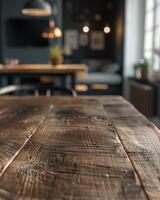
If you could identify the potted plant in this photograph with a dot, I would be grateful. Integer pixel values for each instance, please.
(56, 55)
(142, 68)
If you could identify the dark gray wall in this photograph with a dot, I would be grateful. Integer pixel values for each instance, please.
(12, 9)
(113, 50)
(119, 33)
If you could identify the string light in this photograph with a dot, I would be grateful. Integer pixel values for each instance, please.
(107, 29)
(52, 31)
(86, 29)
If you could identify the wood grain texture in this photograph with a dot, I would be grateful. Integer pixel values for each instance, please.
(141, 140)
(74, 154)
(18, 121)
(44, 68)
(80, 70)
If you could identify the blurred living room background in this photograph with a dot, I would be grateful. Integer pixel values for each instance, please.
(100, 47)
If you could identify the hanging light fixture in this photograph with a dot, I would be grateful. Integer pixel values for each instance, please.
(52, 31)
(107, 29)
(37, 8)
(86, 28)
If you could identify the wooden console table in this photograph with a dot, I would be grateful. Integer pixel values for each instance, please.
(85, 148)
(16, 73)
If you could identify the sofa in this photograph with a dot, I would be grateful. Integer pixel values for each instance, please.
(103, 72)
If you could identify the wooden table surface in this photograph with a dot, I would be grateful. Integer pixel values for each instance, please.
(19, 72)
(84, 148)
(44, 68)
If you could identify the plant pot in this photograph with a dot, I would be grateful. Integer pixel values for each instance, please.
(57, 61)
(144, 74)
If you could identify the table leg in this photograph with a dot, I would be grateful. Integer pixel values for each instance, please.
(63, 81)
(73, 80)
(16, 81)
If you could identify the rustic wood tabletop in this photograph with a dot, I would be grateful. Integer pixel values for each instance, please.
(84, 148)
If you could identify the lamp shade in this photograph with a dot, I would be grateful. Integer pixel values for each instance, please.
(37, 8)
(52, 32)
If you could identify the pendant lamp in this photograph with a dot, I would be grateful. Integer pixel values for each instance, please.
(37, 8)
(52, 31)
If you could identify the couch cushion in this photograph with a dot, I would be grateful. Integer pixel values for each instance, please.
(111, 68)
(102, 65)
(110, 79)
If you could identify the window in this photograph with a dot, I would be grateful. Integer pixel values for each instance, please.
(152, 33)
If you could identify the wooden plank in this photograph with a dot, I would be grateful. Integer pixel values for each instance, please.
(18, 121)
(74, 154)
(44, 68)
(141, 140)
